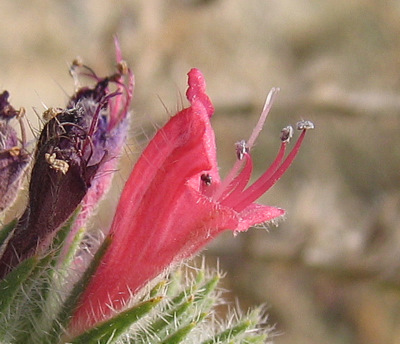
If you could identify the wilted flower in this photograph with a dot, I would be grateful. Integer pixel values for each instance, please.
(13, 155)
(174, 202)
(117, 130)
(74, 157)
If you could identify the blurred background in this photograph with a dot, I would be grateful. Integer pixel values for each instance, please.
(330, 273)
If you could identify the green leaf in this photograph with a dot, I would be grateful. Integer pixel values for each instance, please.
(108, 331)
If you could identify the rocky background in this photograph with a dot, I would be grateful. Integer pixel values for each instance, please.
(330, 273)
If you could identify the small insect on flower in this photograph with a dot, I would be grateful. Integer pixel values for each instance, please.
(206, 178)
(14, 158)
(50, 113)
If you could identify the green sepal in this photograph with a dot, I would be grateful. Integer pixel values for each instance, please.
(230, 333)
(182, 332)
(69, 306)
(12, 283)
(157, 288)
(183, 308)
(197, 294)
(178, 305)
(244, 331)
(61, 238)
(255, 339)
(7, 230)
(170, 317)
(175, 284)
(207, 288)
(29, 286)
(33, 299)
(108, 331)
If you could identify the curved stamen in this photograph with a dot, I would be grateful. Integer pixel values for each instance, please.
(239, 183)
(266, 175)
(96, 115)
(250, 143)
(266, 181)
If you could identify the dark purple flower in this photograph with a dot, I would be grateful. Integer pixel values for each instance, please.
(73, 148)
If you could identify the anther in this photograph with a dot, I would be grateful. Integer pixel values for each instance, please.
(77, 62)
(241, 149)
(56, 164)
(122, 67)
(14, 151)
(50, 113)
(286, 133)
(21, 112)
(304, 125)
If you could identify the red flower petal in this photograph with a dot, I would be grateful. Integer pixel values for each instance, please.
(171, 206)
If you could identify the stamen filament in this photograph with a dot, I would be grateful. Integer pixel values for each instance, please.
(267, 107)
(267, 174)
(239, 183)
(250, 143)
(96, 115)
(265, 182)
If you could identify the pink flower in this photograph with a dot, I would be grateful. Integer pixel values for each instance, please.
(174, 202)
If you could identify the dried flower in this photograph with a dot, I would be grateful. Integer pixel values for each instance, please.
(117, 131)
(74, 157)
(14, 157)
(174, 202)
